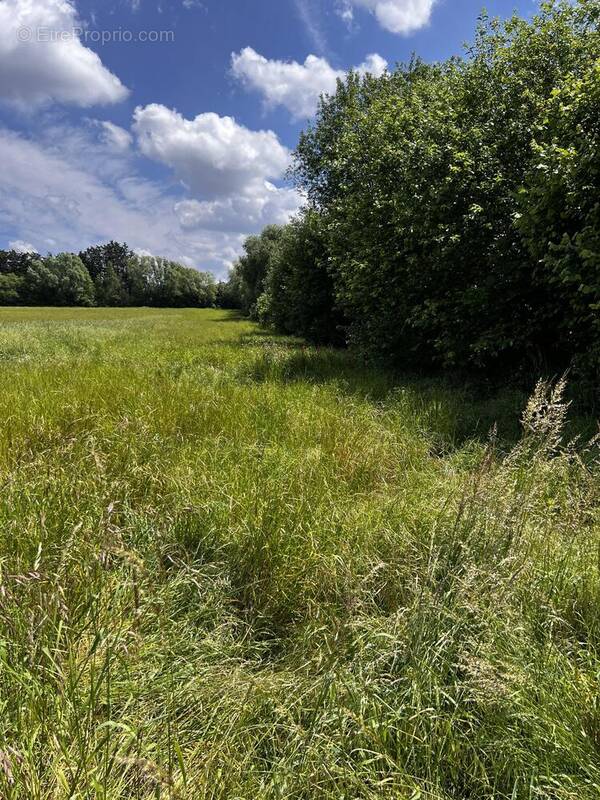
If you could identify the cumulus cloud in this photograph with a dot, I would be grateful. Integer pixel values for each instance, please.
(37, 66)
(21, 247)
(374, 64)
(268, 204)
(398, 16)
(214, 156)
(295, 86)
(68, 188)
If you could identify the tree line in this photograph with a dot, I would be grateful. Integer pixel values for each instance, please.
(105, 275)
(453, 209)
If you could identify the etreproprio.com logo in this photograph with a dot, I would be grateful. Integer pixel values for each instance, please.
(87, 36)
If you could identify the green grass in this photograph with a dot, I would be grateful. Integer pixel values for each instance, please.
(232, 566)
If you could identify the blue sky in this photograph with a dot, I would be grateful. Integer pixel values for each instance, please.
(180, 146)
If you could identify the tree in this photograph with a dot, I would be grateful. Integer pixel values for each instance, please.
(418, 174)
(184, 287)
(253, 266)
(60, 280)
(107, 265)
(140, 280)
(16, 263)
(229, 293)
(299, 292)
(114, 276)
(11, 289)
(13, 271)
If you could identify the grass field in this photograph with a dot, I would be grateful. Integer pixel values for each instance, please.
(235, 567)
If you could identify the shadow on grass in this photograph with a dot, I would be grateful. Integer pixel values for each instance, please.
(453, 409)
(230, 315)
(452, 412)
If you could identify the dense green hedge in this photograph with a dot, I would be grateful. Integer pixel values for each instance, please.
(457, 206)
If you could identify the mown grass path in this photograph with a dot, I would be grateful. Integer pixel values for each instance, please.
(232, 566)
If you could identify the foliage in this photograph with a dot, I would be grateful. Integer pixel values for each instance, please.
(15, 263)
(560, 213)
(229, 292)
(105, 275)
(11, 288)
(250, 271)
(299, 296)
(172, 285)
(59, 281)
(459, 203)
(108, 267)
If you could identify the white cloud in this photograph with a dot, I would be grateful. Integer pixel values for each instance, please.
(67, 189)
(373, 64)
(21, 247)
(267, 204)
(398, 16)
(345, 12)
(214, 156)
(114, 136)
(293, 85)
(310, 18)
(46, 193)
(37, 66)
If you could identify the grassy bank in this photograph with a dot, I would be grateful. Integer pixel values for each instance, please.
(236, 567)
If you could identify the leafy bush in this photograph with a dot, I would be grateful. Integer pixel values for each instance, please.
(456, 207)
(560, 219)
(250, 271)
(299, 292)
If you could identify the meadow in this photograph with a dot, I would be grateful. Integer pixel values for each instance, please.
(235, 566)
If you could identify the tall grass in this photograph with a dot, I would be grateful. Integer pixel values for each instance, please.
(235, 567)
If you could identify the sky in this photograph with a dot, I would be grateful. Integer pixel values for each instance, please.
(170, 124)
